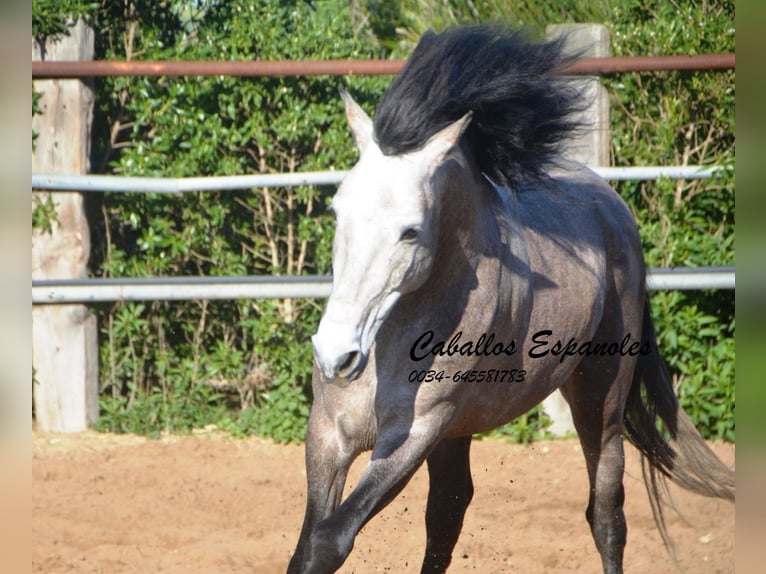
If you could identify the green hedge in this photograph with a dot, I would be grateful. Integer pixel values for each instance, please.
(245, 365)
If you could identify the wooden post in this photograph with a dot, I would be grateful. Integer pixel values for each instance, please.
(591, 148)
(591, 41)
(64, 337)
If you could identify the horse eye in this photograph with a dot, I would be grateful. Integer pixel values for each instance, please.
(409, 234)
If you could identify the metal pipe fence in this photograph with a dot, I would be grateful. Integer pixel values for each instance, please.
(259, 287)
(187, 288)
(288, 287)
(96, 183)
(260, 68)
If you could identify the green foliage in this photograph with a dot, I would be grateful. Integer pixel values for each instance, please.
(699, 349)
(400, 24)
(242, 365)
(529, 427)
(245, 366)
(44, 213)
(683, 118)
(36, 110)
(50, 17)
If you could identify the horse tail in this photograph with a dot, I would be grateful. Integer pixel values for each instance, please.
(670, 446)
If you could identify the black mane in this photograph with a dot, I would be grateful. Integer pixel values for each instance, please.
(521, 109)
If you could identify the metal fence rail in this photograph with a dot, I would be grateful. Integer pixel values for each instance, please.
(254, 68)
(259, 287)
(97, 183)
(187, 288)
(288, 287)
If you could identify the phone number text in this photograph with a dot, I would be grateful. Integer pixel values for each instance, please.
(480, 376)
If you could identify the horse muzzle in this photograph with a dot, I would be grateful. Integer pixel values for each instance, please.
(340, 358)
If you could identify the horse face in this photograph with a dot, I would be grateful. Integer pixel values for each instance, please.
(386, 213)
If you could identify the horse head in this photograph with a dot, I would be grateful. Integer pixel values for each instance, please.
(387, 220)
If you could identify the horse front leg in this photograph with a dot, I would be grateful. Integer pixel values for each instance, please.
(449, 493)
(397, 454)
(326, 469)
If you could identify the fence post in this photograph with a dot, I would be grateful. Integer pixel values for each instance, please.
(591, 41)
(590, 148)
(64, 337)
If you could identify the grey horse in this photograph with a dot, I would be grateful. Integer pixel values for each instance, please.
(475, 272)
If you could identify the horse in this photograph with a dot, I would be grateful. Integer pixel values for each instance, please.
(476, 271)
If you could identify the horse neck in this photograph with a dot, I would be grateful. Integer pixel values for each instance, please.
(467, 223)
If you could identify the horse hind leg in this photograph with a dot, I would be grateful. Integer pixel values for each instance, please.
(605, 505)
(449, 494)
(597, 401)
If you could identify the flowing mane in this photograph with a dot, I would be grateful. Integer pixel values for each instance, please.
(521, 109)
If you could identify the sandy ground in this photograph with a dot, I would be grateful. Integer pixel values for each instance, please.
(205, 503)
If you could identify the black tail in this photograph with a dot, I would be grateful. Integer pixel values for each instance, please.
(678, 451)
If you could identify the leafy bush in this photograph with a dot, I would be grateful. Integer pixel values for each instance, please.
(683, 118)
(245, 365)
(51, 17)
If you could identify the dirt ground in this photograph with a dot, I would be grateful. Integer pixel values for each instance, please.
(205, 503)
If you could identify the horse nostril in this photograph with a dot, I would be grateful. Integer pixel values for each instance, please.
(347, 362)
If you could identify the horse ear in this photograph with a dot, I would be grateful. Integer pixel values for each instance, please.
(444, 141)
(358, 120)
